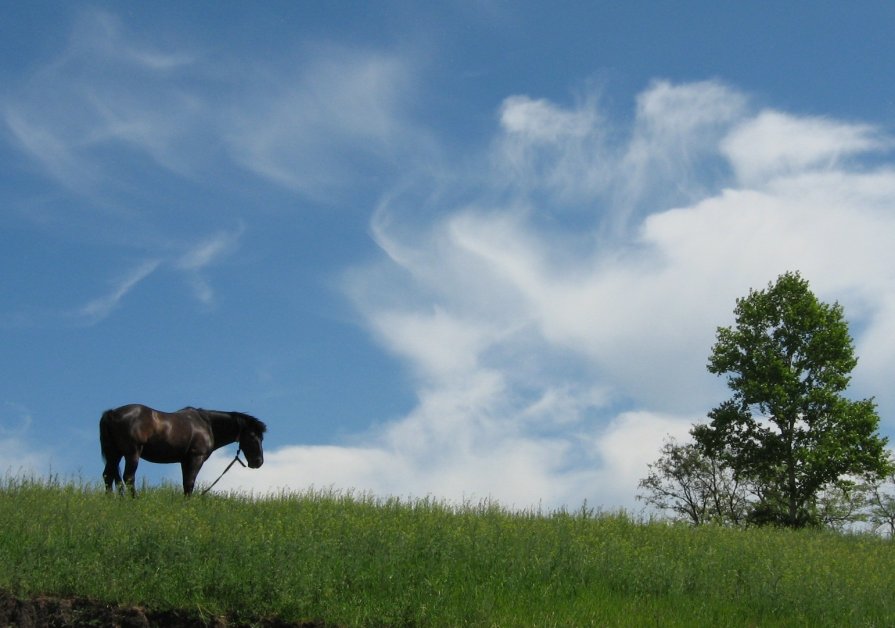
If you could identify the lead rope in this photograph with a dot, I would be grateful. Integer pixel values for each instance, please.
(232, 462)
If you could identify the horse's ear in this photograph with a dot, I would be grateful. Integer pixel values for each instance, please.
(255, 424)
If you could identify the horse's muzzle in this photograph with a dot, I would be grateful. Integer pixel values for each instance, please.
(254, 463)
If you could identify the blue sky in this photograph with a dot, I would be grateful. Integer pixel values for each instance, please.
(453, 249)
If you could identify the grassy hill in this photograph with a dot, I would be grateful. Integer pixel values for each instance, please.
(354, 560)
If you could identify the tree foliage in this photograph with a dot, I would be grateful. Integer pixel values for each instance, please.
(787, 427)
(881, 503)
(697, 487)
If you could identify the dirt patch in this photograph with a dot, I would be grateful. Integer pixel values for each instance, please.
(41, 611)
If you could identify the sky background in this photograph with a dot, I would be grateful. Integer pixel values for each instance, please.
(457, 249)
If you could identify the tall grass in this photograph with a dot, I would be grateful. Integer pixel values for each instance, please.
(354, 560)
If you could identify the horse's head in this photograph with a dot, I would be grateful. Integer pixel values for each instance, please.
(250, 439)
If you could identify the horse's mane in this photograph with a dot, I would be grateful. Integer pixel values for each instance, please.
(250, 422)
(246, 421)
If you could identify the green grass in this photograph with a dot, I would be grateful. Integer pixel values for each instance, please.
(353, 560)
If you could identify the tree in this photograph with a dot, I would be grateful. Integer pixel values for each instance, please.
(696, 486)
(881, 502)
(787, 427)
(844, 504)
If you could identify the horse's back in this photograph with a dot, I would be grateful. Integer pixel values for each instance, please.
(128, 423)
(126, 412)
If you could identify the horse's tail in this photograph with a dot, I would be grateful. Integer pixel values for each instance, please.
(105, 435)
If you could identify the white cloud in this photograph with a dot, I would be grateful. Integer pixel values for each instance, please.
(542, 122)
(631, 441)
(20, 457)
(337, 121)
(436, 343)
(549, 360)
(204, 254)
(551, 364)
(21, 461)
(583, 160)
(673, 146)
(325, 119)
(208, 250)
(106, 92)
(191, 263)
(774, 144)
(463, 460)
(543, 146)
(53, 152)
(100, 307)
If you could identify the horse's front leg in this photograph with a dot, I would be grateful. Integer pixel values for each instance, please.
(190, 467)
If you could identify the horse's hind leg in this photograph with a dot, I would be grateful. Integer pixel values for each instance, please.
(130, 470)
(112, 475)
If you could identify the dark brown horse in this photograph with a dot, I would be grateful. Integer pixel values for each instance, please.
(188, 436)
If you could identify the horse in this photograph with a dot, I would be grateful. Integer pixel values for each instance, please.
(188, 436)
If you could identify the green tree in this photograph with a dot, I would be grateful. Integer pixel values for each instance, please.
(695, 486)
(881, 502)
(787, 427)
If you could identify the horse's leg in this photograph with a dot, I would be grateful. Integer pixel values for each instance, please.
(131, 460)
(190, 468)
(112, 474)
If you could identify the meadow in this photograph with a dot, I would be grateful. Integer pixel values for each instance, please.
(354, 560)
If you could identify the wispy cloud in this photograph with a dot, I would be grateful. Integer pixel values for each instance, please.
(543, 146)
(579, 158)
(774, 144)
(555, 303)
(202, 255)
(105, 90)
(21, 458)
(100, 307)
(206, 251)
(55, 155)
(339, 121)
(324, 119)
(551, 363)
(189, 264)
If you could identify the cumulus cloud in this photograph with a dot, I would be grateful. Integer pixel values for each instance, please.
(555, 307)
(551, 363)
